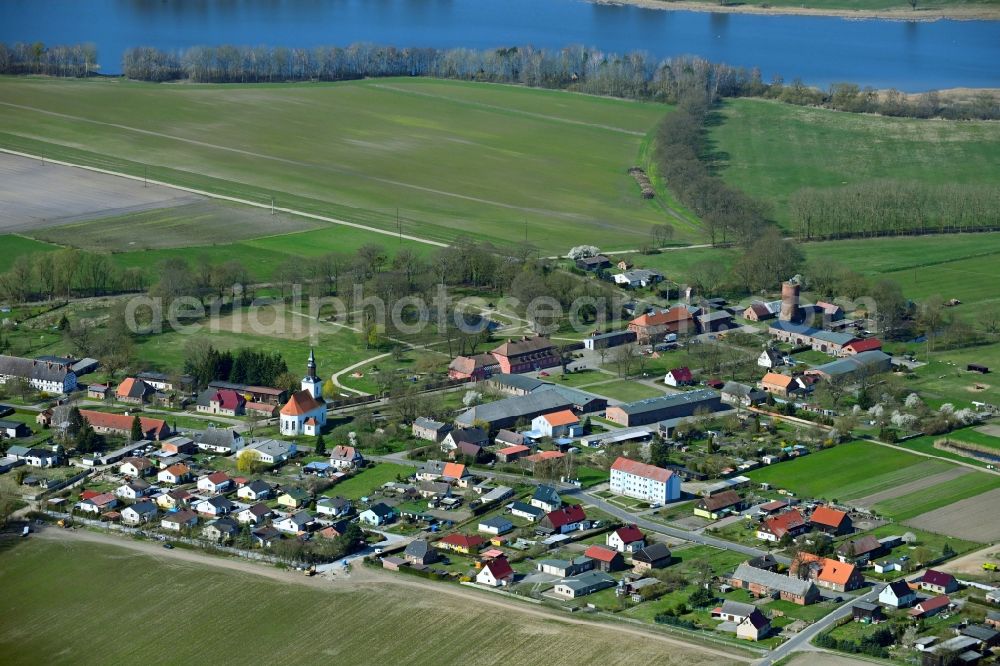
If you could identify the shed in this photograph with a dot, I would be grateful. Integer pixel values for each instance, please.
(976, 367)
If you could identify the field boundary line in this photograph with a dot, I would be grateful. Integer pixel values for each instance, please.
(224, 197)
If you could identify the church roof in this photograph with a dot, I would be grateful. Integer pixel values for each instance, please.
(301, 402)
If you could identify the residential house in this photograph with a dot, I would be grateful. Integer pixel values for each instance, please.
(294, 523)
(222, 529)
(732, 611)
(475, 368)
(649, 483)
(898, 595)
(828, 573)
(461, 543)
(742, 395)
(546, 498)
(223, 441)
(272, 451)
(653, 328)
(255, 490)
(334, 507)
(495, 525)
(164, 382)
(346, 458)
(583, 584)
(770, 358)
(889, 565)
(133, 490)
(637, 277)
(779, 385)
(175, 474)
(214, 506)
(178, 520)
(679, 377)
(475, 436)
(593, 263)
(938, 582)
(928, 607)
(526, 355)
(378, 514)
(216, 482)
(719, 505)
(626, 539)
(429, 429)
(41, 375)
(293, 498)
(522, 510)
(563, 423)
(225, 402)
(605, 559)
(561, 521)
(139, 513)
(495, 573)
(831, 521)
(860, 550)
(776, 527)
(106, 423)
(36, 457)
(98, 392)
(763, 583)
(136, 467)
(465, 450)
(133, 391)
(419, 552)
(565, 568)
(507, 438)
(98, 503)
(173, 499)
(254, 514)
(13, 429)
(754, 626)
(264, 537)
(433, 489)
(654, 556)
(672, 406)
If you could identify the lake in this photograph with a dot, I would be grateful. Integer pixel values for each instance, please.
(911, 56)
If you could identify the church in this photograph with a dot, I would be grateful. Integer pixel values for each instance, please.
(305, 411)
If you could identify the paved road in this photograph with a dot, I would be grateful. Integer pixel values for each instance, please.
(659, 528)
(800, 641)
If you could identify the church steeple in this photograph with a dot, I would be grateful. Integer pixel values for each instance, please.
(311, 382)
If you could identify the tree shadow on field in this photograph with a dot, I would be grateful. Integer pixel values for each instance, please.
(715, 160)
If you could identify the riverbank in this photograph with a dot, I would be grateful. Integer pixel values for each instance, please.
(974, 12)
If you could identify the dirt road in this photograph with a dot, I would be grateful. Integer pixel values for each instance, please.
(361, 577)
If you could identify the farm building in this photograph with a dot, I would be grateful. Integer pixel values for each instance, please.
(869, 362)
(820, 340)
(762, 583)
(608, 340)
(652, 410)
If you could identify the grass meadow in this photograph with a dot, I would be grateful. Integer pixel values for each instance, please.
(770, 150)
(64, 603)
(486, 161)
(939, 495)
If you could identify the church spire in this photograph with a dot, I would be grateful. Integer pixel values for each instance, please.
(311, 365)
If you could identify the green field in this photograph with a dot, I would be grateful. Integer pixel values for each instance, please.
(625, 390)
(14, 246)
(770, 150)
(369, 479)
(63, 604)
(939, 495)
(850, 470)
(455, 158)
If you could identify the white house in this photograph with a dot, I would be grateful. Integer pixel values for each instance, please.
(563, 423)
(272, 451)
(346, 457)
(627, 539)
(678, 377)
(897, 594)
(46, 376)
(377, 514)
(138, 513)
(255, 490)
(41, 458)
(770, 358)
(214, 506)
(216, 482)
(136, 467)
(176, 473)
(305, 411)
(133, 490)
(495, 573)
(294, 523)
(496, 525)
(223, 441)
(335, 507)
(546, 498)
(254, 514)
(646, 482)
(98, 503)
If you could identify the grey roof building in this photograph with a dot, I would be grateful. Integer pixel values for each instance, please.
(869, 361)
(676, 405)
(507, 412)
(774, 581)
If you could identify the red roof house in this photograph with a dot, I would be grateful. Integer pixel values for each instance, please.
(679, 377)
(605, 559)
(566, 519)
(858, 346)
(831, 521)
(776, 527)
(929, 607)
(121, 424)
(462, 543)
